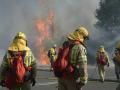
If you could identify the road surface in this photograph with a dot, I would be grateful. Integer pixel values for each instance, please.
(47, 81)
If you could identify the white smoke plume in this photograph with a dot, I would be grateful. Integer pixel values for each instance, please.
(21, 15)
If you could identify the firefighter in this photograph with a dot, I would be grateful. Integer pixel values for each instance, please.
(52, 54)
(102, 59)
(77, 72)
(7, 77)
(116, 60)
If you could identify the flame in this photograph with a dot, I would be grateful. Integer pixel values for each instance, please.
(42, 27)
(45, 30)
(51, 23)
(44, 60)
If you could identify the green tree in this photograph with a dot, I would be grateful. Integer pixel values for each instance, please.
(108, 14)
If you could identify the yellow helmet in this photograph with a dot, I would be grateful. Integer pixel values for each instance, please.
(83, 31)
(19, 43)
(101, 49)
(75, 36)
(118, 45)
(21, 35)
(79, 34)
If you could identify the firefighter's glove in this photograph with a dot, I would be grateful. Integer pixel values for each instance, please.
(2, 83)
(33, 81)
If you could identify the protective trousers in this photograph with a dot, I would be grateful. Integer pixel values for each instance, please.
(101, 70)
(68, 85)
(25, 86)
(117, 71)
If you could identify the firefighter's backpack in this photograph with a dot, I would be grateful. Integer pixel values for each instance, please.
(61, 64)
(17, 70)
(102, 59)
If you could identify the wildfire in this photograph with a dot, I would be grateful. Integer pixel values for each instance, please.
(45, 28)
(44, 60)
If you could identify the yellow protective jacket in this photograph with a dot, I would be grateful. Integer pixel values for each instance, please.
(53, 54)
(78, 57)
(29, 59)
(116, 59)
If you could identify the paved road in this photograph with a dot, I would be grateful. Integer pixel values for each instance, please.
(46, 80)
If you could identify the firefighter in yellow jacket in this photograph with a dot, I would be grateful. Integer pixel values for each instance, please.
(102, 60)
(52, 54)
(77, 60)
(116, 60)
(19, 44)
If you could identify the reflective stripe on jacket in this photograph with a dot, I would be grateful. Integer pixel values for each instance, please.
(52, 54)
(78, 57)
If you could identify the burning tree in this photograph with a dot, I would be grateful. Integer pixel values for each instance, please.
(45, 31)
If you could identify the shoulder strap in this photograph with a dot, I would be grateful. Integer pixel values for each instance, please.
(15, 54)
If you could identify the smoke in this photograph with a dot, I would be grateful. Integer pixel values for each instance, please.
(21, 15)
